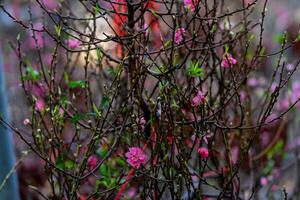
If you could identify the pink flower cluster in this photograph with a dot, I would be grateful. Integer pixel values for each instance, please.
(198, 99)
(203, 152)
(190, 4)
(135, 157)
(179, 35)
(228, 61)
(73, 43)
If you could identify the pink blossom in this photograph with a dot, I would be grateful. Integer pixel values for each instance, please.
(199, 98)
(92, 162)
(73, 43)
(39, 105)
(263, 181)
(178, 35)
(135, 157)
(26, 121)
(190, 4)
(228, 61)
(50, 4)
(203, 152)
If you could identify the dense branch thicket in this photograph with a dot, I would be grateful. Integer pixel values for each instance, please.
(151, 98)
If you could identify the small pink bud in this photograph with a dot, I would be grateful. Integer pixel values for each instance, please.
(92, 162)
(203, 152)
(26, 121)
(228, 61)
(263, 181)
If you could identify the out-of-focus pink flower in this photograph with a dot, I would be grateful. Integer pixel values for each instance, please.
(290, 67)
(203, 152)
(39, 90)
(199, 98)
(179, 35)
(26, 121)
(135, 157)
(264, 138)
(190, 4)
(39, 105)
(50, 4)
(273, 87)
(263, 181)
(234, 154)
(252, 82)
(131, 192)
(228, 61)
(61, 111)
(243, 95)
(73, 43)
(92, 162)
(283, 104)
(295, 94)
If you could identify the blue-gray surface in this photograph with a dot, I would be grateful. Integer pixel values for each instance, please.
(7, 157)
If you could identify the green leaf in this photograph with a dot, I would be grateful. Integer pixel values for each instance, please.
(167, 43)
(32, 74)
(154, 13)
(59, 162)
(69, 164)
(98, 53)
(213, 29)
(103, 170)
(297, 38)
(101, 152)
(194, 70)
(57, 30)
(111, 71)
(96, 8)
(119, 161)
(104, 102)
(279, 38)
(76, 118)
(95, 109)
(226, 48)
(75, 84)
